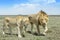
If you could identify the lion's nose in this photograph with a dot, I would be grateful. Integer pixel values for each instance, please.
(44, 23)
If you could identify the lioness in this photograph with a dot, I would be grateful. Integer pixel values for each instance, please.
(19, 21)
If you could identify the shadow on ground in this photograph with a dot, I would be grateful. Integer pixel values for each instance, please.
(15, 34)
(35, 33)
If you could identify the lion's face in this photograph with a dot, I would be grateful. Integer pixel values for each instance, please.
(43, 20)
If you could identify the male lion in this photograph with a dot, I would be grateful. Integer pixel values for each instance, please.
(19, 21)
(41, 18)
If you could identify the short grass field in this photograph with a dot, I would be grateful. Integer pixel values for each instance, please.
(52, 34)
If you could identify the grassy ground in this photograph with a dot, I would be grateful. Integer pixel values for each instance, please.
(53, 33)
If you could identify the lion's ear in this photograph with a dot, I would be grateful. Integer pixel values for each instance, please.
(41, 11)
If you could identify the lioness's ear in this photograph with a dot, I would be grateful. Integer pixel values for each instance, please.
(29, 17)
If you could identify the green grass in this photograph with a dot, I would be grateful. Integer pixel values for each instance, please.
(53, 32)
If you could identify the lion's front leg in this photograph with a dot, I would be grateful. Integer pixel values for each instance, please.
(38, 29)
(45, 29)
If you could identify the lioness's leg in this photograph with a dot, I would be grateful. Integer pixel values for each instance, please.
(25, 28)
(22, 31)
(3, 28)
(45, 29)
(10, 31)
(5, 25)
(32, 28)
(19, 31)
